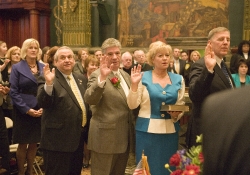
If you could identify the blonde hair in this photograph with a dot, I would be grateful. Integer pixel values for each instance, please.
(156, 47)
(26, 45)
(193, 52)
(110, 42)
(216, 30)
(10, 51)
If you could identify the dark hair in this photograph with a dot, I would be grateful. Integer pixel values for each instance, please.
(44, 51)
(240, 62)
(184, 51)
(240, 47)
(51, 54)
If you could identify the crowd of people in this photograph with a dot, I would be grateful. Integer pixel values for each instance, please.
(102, 106)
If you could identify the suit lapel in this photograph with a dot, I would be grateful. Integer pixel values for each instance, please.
(223, 77)
(120, 90)
(66, 86)
(25, 71)
(126, 78)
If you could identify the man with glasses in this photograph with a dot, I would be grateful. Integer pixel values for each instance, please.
(141, 59)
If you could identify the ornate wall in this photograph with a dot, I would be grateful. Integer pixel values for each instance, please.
(144, 21)
(246, 24)
(72, 22)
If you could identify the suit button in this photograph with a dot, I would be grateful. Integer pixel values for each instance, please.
(163, 103)
(162, 115)
(163, 92)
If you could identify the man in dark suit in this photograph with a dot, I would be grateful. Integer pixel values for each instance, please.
(111, 117)
(64, 115)
(179, 64)
(140, 58)
(185, 57)
(127, 62)
(207, 77)
(225, 128)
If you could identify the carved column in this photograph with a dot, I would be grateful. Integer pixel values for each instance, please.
(246, 22)
(44, 29)
(95, 38)
(34, 24)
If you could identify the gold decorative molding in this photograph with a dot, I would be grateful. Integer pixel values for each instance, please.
(73, 4)
(246, 22)
(73, 26)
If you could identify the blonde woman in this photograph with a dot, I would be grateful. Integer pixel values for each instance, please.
(13, 54)
(156, 130)
(26, 112)
(195, 55)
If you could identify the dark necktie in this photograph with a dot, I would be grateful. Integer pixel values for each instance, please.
(224, 70)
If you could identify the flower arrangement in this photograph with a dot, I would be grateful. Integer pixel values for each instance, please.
(187, 162)
(116, 82)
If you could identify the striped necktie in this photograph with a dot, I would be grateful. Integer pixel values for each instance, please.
(77, 94)
(224, 70)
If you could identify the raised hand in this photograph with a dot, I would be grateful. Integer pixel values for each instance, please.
(48, 75)
(210, 60)
(136, 74)
(135, 77)
(104, 68)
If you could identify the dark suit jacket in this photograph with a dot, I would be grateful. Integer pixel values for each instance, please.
(187, 69)
(202, 83)
(182, 66)
(24, 86)
(62, 114)
(5, 75)
(225, 127)
(144, 67)
(79, 69)
(111, 116)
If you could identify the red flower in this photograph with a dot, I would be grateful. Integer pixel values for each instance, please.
(115, 81)
(192, 170)
(175, 160)
(177, 172)
(201, 157)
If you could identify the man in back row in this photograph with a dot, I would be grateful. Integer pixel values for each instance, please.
(140, 58)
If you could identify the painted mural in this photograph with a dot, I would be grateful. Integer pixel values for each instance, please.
(142, 22)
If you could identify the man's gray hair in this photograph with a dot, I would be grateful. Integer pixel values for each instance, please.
(110, 42)
(60, 48)
(216, 30)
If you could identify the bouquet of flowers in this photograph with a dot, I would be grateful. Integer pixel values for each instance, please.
(187, 162)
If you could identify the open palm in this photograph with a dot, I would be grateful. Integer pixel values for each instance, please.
(136, 74)
(48, 75)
